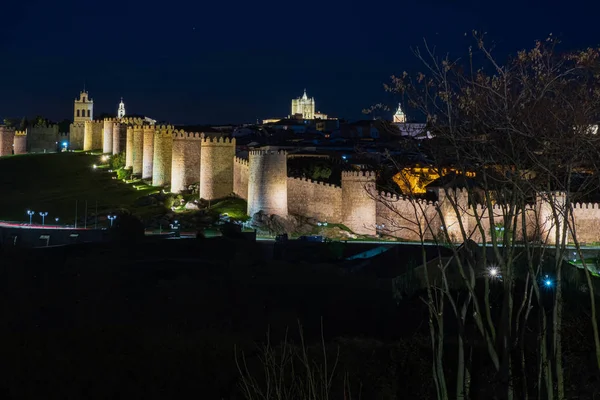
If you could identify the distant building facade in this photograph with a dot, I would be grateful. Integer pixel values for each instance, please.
(304, 106)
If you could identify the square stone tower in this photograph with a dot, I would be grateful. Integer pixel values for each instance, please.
(84, 108)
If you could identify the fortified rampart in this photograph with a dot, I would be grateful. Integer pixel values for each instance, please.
(240, 177)
(405, 218)
(138, 149)
(163, 153)
(359, 208)
(20, 142)
(107, 143)
(7, 139)
(129, 148)
(185, 168)
(119, 137)
(216, 167)
(148, 151)
(92, 135)
(42, 138)
(318, 200)
(76, 133)
(267, 182)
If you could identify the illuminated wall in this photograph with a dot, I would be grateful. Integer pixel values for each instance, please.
(148, 152)
(20, 142)
(318, 200)
(162, 159)
(107, 142)
(240, 178)
(76, 132)
(138, 150)
(83, 109)
(267, 182)
(185, 169)
(216, 167)
(92, 135)
(7, 139)
(359, 209)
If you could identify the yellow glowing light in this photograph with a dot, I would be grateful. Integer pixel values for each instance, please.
(415, 180)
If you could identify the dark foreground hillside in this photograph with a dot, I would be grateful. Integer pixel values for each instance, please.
(162, 320)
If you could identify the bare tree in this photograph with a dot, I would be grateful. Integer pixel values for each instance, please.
(523, 131)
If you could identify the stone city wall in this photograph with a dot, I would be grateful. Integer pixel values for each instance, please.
(20, 142)
(162, 158)
(92, 135)
(7, 139)
(318, 200)
(42, 139)
(587, 222)
(405, 218)
(185, 168)
(216, 167)
(240, 177)
(148, 152)
(267, 182)
(107, 141)
(359, 207)
(137, 149)
(76, 133)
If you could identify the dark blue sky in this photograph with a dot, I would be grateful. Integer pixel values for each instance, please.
(232, 61)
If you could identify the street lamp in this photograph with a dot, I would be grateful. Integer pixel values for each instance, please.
(43, 215)
(56, 220)
(112, 218)
(30, 213)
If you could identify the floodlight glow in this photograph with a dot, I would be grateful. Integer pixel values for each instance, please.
(548, 282)
(94, 166)
(493, 272)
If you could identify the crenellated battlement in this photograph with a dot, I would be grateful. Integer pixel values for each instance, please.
(94, 123)
(20, 133)
(394, 197)
(131, 121)
(165, 131)
(217, 140)
(268, 152)
(241, 161)
(181, 134)
(585, 206)
(367, 175)
(320, 183)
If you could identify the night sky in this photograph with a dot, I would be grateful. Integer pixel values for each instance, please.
(230, 61)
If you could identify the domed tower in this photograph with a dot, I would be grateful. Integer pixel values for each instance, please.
(107, 142)
(163, 148)
(138, 149)
(359, 207)
(20, 142)
(84, 108)
(186, 160)
(7, 140)
(267, 182)
(216, 167)
(148, 152)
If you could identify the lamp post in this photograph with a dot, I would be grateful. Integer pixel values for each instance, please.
(56, 220)
(112, 218)
(43, 215)
(30, 213)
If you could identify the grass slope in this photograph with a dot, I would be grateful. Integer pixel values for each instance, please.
(53, 182)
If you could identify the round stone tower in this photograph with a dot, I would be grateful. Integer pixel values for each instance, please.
(7, 140)
(185, 169)
(138, 149)
(129, 148)
(88, 136)
(359, 207)
(163, 148)
(119, 133)
(216, 167)
(107, 142)
(148, 152)
(20, 142)
(267, 182)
